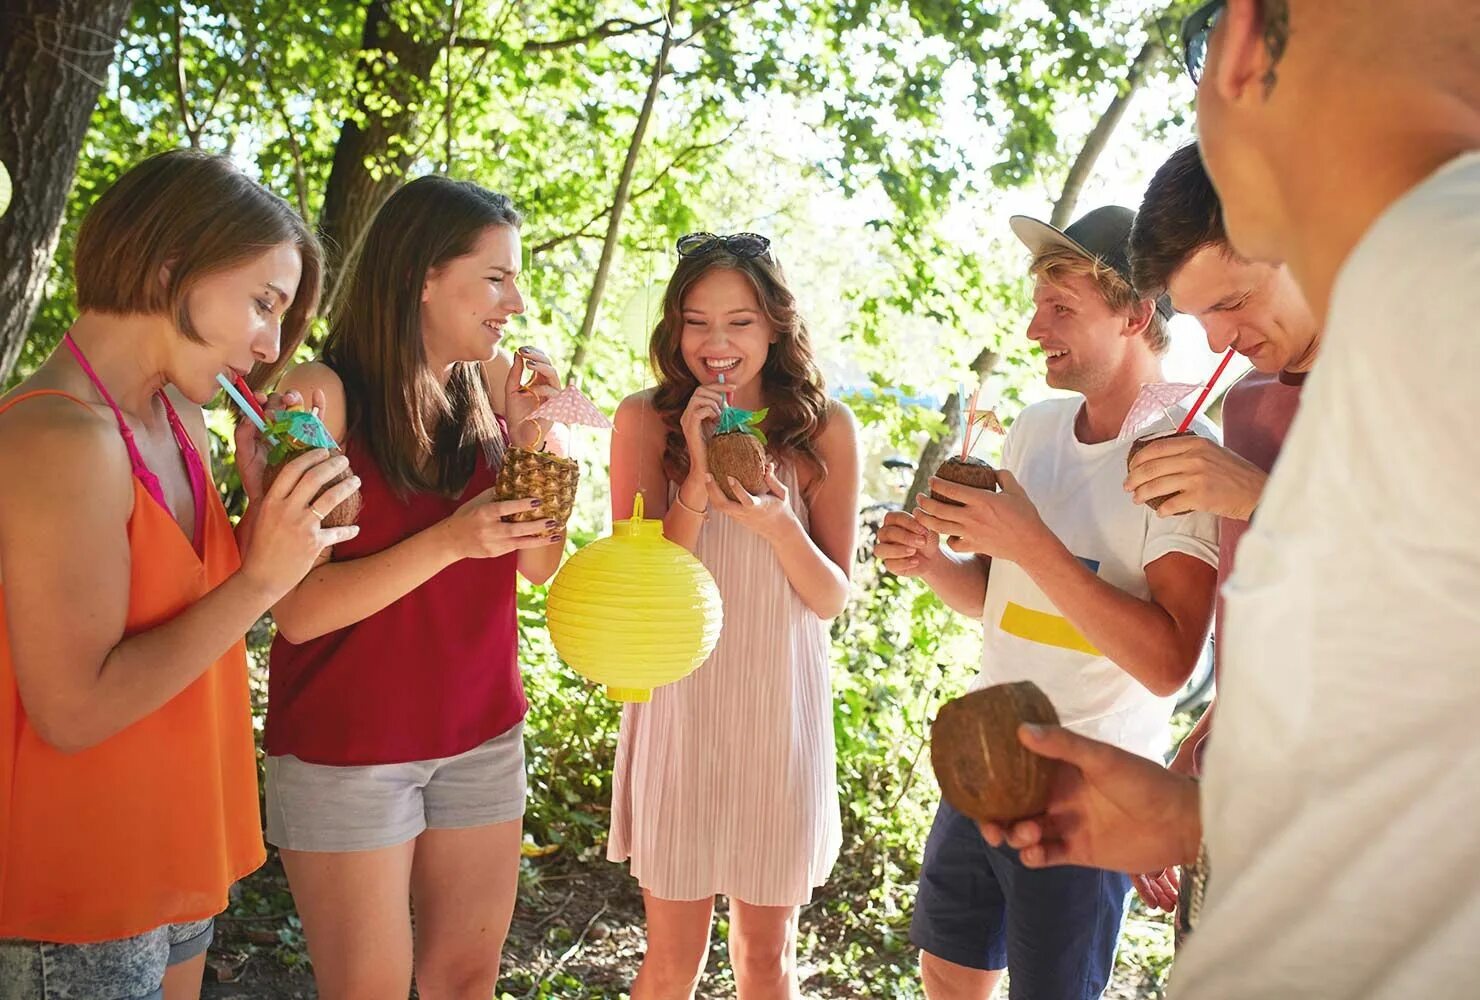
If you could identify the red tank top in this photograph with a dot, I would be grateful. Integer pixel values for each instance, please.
(432, 675)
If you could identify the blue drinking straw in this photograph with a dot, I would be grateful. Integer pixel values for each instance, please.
(236, 397)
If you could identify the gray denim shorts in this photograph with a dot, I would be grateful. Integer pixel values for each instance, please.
(321, 807)
(129, 968)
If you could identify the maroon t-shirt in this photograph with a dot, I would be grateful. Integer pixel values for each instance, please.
(1257, 414)
(431, 675)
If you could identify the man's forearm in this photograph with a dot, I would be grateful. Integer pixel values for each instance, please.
(960, 581)
(1138, 636)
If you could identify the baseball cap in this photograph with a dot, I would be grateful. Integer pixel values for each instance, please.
(1103, 234)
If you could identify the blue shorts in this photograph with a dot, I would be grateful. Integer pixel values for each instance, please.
(129, 968)
(1054, 929)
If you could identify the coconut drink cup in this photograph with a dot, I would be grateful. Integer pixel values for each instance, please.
(983, 769)
(967, 471)
(294, 431)
(1155, 502)
(738, 449)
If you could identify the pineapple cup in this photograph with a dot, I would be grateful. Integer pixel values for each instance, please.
(538, 475)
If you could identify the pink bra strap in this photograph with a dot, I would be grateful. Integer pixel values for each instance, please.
(193, 464)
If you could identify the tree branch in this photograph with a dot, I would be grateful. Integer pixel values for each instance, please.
(619, 200)
(191, 131)
(300, 175)
(447, 78)
(1099, 136)
(612, 28)
(715, 19)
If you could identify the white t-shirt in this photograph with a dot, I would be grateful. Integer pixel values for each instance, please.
(1079, 492)
(1341, 808)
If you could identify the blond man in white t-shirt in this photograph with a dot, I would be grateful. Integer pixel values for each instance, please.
(1096, 599)
(1342, 795)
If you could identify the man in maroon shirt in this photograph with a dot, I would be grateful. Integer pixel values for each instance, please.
(1178, 246)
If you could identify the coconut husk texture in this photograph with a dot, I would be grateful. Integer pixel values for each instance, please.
(538, 475)
(983, 770)
(1155, 502)
(294, 431)
(348, 510)
(970, 471)
(739, 454)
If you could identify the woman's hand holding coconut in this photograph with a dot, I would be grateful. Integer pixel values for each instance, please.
(698, 419)
(252, 449)
(1003, 525)
(768, 515)
(287, 536)
(284, 536)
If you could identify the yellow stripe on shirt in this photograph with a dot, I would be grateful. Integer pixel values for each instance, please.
(1047, 629)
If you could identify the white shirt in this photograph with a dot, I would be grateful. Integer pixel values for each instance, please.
(1080, 494)
(1341, 808)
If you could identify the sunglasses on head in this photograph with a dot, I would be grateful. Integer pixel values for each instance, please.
(743, 245)
(1195, 31)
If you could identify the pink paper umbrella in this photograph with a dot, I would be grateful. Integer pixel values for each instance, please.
(1154, 399)
(569, 407)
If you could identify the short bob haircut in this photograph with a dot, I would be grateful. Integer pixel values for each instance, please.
(191, 215)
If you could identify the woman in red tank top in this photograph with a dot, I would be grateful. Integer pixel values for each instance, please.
(395, 766)
(128, 792)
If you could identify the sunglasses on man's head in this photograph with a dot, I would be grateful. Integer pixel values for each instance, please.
(743, 245)
(1195, 31)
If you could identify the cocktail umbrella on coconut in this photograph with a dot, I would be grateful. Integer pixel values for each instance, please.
(966, 469)
(534, 472)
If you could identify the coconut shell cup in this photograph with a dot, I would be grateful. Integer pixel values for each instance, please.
(346, 513)
(1155, 502)
(970, 471)
(741, 455)
(983, 769)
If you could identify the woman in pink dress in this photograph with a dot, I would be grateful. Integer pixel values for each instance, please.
(725, 782)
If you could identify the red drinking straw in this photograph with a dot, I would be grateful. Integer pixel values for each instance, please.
(1187, 420)
(251, 397)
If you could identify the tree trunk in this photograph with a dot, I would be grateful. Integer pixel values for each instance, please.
(619, 202)
(54, 59)
(937, 450)
(366, 169)
(1099, 136)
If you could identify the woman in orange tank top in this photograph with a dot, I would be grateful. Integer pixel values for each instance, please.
(128, 797)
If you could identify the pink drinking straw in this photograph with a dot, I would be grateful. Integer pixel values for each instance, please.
(1187, 420)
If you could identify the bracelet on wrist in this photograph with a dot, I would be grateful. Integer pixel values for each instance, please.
(678, 497)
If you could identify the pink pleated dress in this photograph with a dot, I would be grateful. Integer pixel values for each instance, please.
(726, 781)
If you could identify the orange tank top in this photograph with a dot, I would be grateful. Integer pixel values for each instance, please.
(154, 824)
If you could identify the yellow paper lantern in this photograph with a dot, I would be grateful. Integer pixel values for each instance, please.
(634, 610)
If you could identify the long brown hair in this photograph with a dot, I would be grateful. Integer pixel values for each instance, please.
(425, 439)
(197, 215)
(790, 378)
